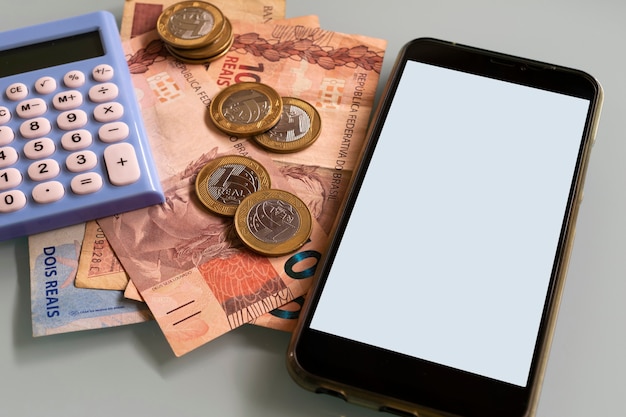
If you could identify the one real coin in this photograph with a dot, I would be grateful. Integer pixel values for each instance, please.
(246, 109)
(207, 53)
(190, 24)
(273, 222)
(298, 127)
(224, 182)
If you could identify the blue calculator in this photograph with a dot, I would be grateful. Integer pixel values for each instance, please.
(72, 142)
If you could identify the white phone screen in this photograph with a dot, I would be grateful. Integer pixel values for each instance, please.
(448, 253)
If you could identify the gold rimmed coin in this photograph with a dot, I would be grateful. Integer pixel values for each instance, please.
(224, 182)
(273, 222)
(246, 109)
(208, 53)
(298, 127)
(190, 24)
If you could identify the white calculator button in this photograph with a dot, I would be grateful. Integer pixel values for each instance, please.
(76, 140)
(72, 119)
(5, 115)
(43, 170)
(34, 107)
(17, 91)
(11, 201)
(6, 135)
(48, 192)
(35, 128)
(74, 79)
(9, 178)
(122, 165)
(102, 73)
(108, 112)
(87, 183)
(39, 148)
(81, 161)
(8, 156)
(45, 85)
(67, 100)
(103, 92)
(113, 132)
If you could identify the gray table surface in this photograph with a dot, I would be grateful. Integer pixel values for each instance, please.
(131, 370)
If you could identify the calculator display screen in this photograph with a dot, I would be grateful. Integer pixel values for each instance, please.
(50, 53)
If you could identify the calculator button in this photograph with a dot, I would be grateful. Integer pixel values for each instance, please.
(87, 183)
(5, 115)
(108, 112)
(39, 148)
(67, 100)
(72, 119)
(45, 85)
(35, 128)
(6, 135)
(121, 163)
(48, 192)
(17, 91)
(81, 161)
(34, 107)
(75, 140)
(113, 132)
(103, 92)
(11, 201)
(9, 178)
(43, 170)
(8, 156)
(74, 79)
(102, 73)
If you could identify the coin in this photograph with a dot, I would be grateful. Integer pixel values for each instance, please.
(298, 127)
(224, 182)
(190, 24)
(273, 222)
(246, 109)
(207, 53)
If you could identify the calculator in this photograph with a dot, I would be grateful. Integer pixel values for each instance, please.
(73, 146)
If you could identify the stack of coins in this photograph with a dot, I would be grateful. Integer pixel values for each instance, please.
(268, 221)
(279, 124)
(195, 31)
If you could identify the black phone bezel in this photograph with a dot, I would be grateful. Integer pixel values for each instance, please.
(369, 369)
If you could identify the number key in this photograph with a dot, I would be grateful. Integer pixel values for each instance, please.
(8, 156)
(10, 178)
(43, 170)
(81, 161)
(11, 201)
(39, 148)
(35, 128)
(76, 140)
(6, 135)
(72, 119)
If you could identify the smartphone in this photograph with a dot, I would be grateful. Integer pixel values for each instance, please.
(439, 293)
